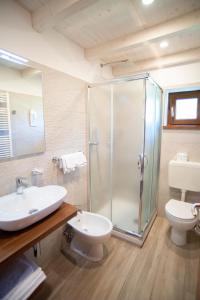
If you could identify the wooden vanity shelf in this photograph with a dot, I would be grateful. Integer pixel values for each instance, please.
(15, 243)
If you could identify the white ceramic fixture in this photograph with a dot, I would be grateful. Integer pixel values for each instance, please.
(20, 211)
(90, 232)
(182, 175)
(179, 215)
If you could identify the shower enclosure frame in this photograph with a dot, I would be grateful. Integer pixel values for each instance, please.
(140, 236)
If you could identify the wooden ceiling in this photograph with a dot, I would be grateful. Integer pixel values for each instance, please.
(113, 30)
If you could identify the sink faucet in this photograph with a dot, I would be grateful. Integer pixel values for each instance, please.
(21, 183)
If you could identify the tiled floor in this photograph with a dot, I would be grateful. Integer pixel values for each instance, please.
(158, 271)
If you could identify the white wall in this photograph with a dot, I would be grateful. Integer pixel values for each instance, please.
(178, 76)
(50, 48)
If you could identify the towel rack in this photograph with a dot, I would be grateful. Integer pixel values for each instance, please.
(56, 159)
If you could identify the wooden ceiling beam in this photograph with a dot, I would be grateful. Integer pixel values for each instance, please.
(30, 72)
(180, 58)
(53, 11)
(162, 30)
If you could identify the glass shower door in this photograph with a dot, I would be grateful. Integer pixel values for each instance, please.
(157, 146)
(99, 109)
(128, 139)
(124, 152)
(151, 152)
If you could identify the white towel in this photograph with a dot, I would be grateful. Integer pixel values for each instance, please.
(70, 162)
(19, 279)
(26, 287)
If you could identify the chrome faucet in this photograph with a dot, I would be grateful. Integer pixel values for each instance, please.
(195, 209)
(21, 184)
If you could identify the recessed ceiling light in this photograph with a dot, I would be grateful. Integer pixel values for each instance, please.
(147, 2)
(164, 44)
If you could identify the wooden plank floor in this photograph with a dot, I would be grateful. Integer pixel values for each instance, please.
(158, 271)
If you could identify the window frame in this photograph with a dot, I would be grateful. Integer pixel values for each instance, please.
(172, 123)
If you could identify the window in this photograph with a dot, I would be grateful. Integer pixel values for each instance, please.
(184, 110)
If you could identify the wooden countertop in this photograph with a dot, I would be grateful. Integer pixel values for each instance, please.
(15, 243)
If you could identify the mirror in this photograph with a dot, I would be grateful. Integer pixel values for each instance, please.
(21, 108)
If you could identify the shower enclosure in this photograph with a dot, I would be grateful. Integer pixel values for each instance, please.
(124, 152)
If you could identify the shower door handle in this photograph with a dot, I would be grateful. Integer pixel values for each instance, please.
(146, 161)
(142, 162)
(139, 162)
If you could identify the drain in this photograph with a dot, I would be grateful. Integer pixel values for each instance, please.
(32, 211)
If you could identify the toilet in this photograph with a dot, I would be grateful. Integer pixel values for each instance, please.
(183, 175)
(90, 232)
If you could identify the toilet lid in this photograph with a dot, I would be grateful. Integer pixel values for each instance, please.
(180, 209)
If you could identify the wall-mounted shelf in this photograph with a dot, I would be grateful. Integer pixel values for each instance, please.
(15, 243)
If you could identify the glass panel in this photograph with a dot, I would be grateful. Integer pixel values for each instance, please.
(148, 152)
(128, 137)
(186, 109)
(99, 108)
(117, 153)
(157, 143)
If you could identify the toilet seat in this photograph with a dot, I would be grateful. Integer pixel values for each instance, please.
(180, 210)
(181, 219)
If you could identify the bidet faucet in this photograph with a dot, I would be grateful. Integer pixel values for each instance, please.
(21, 183)
(195, 209)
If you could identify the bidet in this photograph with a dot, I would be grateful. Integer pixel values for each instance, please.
(90, 232)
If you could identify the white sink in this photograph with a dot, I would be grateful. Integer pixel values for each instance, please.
(20, 211)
